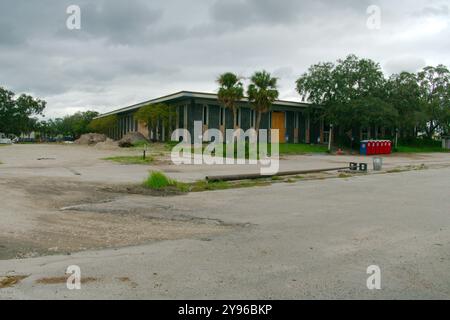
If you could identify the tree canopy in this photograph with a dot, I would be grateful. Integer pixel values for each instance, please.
(354, 92)
(104, 124)
(231, 91)
(262, 93)
(153, 114)
(18, 114)
(351, 92)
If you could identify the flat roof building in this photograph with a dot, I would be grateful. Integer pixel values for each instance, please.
(292, 118)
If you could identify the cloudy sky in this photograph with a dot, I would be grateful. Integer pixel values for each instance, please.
(131, 51)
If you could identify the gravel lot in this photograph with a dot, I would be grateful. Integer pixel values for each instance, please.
(309, 239)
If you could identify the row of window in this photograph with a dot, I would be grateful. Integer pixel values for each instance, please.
(237, 121)
(222, 117)
(127, 124)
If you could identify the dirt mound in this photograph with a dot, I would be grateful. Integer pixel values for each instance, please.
(131, 138)
(91, 138)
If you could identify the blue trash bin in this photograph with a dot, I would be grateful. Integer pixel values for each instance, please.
(363, 147)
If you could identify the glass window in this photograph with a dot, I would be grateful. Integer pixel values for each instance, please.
(222, 116)
(205, 115)
(252, 118)
(238, 118)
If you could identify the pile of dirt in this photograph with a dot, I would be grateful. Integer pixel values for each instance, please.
(91, 139)
(131, 139)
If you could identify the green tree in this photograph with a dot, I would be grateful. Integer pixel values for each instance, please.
(351, 92)
(77, 124)
(231, 91)
(403, 92)
(262, 93)
(153, 114)
(104, 124)
(434, 83)
(16, 114)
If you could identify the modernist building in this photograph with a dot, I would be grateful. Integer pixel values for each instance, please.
(292, 119)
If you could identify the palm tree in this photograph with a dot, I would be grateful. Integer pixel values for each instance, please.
(262, 92)
(231, 91)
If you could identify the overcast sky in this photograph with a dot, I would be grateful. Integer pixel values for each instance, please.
(131, 51)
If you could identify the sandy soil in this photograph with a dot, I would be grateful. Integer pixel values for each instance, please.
(62, 199)
(54, 216)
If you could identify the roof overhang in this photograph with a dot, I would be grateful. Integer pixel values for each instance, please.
(198, 95)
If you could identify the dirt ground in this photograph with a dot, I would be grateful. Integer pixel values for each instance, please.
(309, 239)
(59, 199)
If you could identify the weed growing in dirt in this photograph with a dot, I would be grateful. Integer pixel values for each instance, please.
(158, 181)
(131, 160)
(10, 281)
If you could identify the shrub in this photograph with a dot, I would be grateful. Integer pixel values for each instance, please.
(103, 125)
(158, 180)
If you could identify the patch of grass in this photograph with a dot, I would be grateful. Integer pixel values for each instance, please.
(202, 185)
(422, 149)
(141, 144)
(408, 168)
(298, 149)
(284, 149)
(131, 159)
(344, 176)
(159, 181)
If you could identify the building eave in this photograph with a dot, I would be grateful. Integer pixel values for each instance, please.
(198, 95)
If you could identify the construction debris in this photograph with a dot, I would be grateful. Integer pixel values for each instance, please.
(91, 139)
(131, 138)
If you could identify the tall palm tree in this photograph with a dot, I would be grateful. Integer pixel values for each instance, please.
(231, 91)
(262, 93)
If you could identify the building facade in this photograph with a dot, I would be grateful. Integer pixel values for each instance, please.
(292, 119)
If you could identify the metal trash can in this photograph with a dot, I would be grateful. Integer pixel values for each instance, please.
(377, 164)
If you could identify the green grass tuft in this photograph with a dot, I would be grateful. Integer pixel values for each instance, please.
(298, 149)
(141, 144)
(421, 149)
(158, 181)
(131, 160)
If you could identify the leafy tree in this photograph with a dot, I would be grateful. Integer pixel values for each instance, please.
(434, 83)
(103, 125)
(16, 114)
(351, 92)
(77, 124)
(262, 93)
(153, 113)
(403, 92)
(231, 91)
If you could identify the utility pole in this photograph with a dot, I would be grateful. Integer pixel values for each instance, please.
(330, 137)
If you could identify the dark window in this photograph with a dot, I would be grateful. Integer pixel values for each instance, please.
(222, 116)
(205, 115)
(252, 118)
(238, 118)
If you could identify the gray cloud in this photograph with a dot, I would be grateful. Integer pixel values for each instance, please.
(440, 10)
(134, 50)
